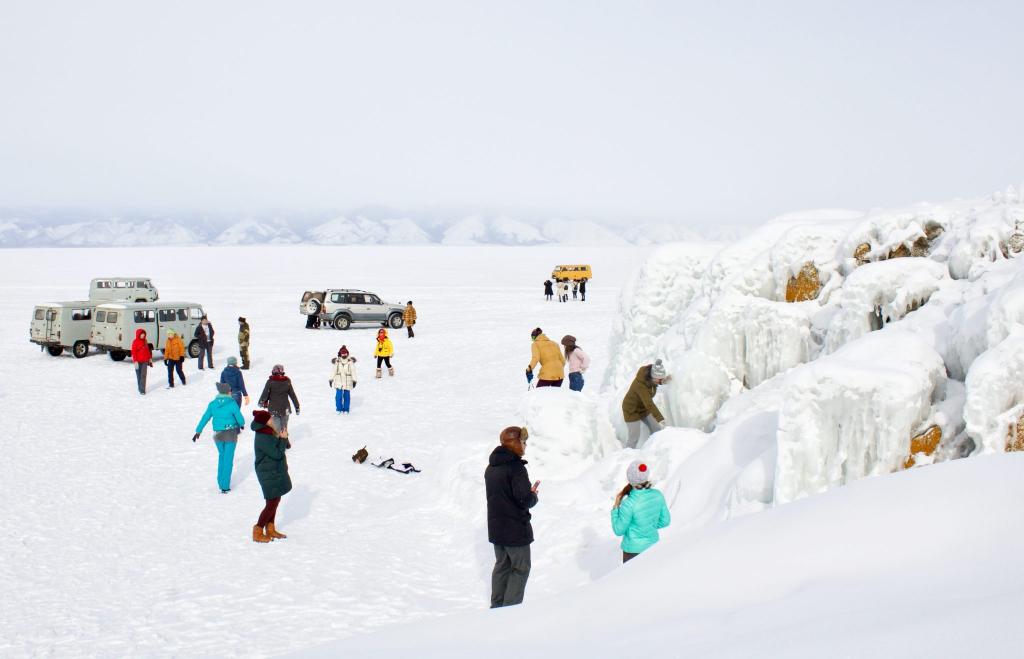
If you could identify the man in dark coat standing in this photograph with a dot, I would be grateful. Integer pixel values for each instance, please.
(204, 335)
(509, 499)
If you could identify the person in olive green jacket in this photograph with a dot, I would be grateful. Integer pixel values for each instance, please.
(552, 363)
(638, 408)
(243, 341)
(272, 473)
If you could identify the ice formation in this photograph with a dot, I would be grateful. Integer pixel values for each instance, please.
(902, 344)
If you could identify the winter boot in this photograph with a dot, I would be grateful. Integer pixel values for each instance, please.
(258, 535)
(378, 374)
(272, 532)
(391, 371)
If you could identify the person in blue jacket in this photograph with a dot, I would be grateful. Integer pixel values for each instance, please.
(639, 512)
(227, 423)
(232, 376)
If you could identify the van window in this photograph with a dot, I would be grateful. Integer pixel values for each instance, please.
(145, 316)
(103, 284)
(337, 297)
(167, 315)
(372, 299)
(182, 314)
(101, 316)
(81, 314)
(51, 314)
(142, 284)
(355, 298)
(120, 284)
(39, 314)
(112, 317)
(195, 313)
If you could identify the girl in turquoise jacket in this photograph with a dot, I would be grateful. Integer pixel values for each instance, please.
(639, 512)
(227, 423)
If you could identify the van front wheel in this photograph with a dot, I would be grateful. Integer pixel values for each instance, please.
(118, 355)
(80, 349)
(55, 350)
(193, 349)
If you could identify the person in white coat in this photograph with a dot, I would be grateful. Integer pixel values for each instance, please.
(577, 361)
(343, 380)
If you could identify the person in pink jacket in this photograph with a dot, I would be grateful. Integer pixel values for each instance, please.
(577, 360)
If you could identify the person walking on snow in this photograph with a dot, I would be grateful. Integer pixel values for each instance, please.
(174, 358)
(578, 361)
(383, 352)
(204, 334)
(509, 499)
(638, 406)
(343, 379)
(142, 358)
(583, 291)
(639, 512)
(549, 290)
(575, 289)
(271, 472)
(276, 396)
(565, 291)
(227, 423)
(552, 363)
(243, 342)
(232, 375)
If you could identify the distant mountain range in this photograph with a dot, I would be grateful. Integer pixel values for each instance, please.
(344, 230)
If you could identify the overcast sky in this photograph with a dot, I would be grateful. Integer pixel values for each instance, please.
(691, 112)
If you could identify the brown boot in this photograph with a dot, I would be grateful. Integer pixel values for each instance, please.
(258, 535)
(272, 532)
(378, 374)
(391, 371)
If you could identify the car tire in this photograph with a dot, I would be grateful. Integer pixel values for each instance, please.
(342, 322)
(55, 351)
(396, 321)
(193, 349)
(118, 355)
(80, 349)
(312, 306)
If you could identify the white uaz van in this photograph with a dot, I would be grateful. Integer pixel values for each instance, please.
(114, 325)
(59, 325)
(130, 289)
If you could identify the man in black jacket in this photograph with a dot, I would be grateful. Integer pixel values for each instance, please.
(509, 499)
(204, 335)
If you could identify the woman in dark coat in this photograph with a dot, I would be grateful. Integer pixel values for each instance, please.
(276, 396)
(272, 473)
(549, 290)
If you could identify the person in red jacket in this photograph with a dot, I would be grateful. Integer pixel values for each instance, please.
(142, 357)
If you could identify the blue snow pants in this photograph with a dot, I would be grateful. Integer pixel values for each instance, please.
(342, 399)
(576, 381)
(225, 463)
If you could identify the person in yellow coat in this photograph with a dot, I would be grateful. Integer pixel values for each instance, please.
(383, 352)
(174, 358)
(552, 363)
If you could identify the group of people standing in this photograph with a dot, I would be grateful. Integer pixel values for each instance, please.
(563, 287)
(553, 361)
(174, 352)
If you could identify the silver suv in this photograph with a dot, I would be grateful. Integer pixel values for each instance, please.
(341, 307)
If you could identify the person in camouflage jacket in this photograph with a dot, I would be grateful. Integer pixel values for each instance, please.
(243, 342)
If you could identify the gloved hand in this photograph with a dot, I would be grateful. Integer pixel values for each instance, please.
(354, 383)
(296, 410)
(195, 437)
(330, 383)
(529, 375)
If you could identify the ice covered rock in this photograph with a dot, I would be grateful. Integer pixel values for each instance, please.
(567, 435)
(880, 293)
(853, 413)
(995, 395)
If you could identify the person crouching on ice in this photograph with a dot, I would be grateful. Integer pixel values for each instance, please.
(272, 473)
(639, 512)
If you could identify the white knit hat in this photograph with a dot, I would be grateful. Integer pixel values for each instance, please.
(658, 371)
(638, 473)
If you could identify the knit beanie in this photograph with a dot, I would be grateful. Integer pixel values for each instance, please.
(241, 319)
(637, 473)
(261, 416)
(343, 352)
(232, 361)
(277, 370)
(223, 388)
(658, 371)
(536, 332)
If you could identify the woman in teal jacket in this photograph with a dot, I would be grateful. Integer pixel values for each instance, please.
(227, 423)
(639, 512)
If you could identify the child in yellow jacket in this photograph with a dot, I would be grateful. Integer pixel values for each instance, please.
(383, 352)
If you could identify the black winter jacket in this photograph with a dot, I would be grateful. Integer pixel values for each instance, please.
(276, 394)
(509, 499)
(205, 340)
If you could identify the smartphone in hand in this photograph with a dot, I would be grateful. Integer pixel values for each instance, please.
(536, 484)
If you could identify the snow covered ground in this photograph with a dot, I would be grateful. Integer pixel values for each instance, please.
(118, 540)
